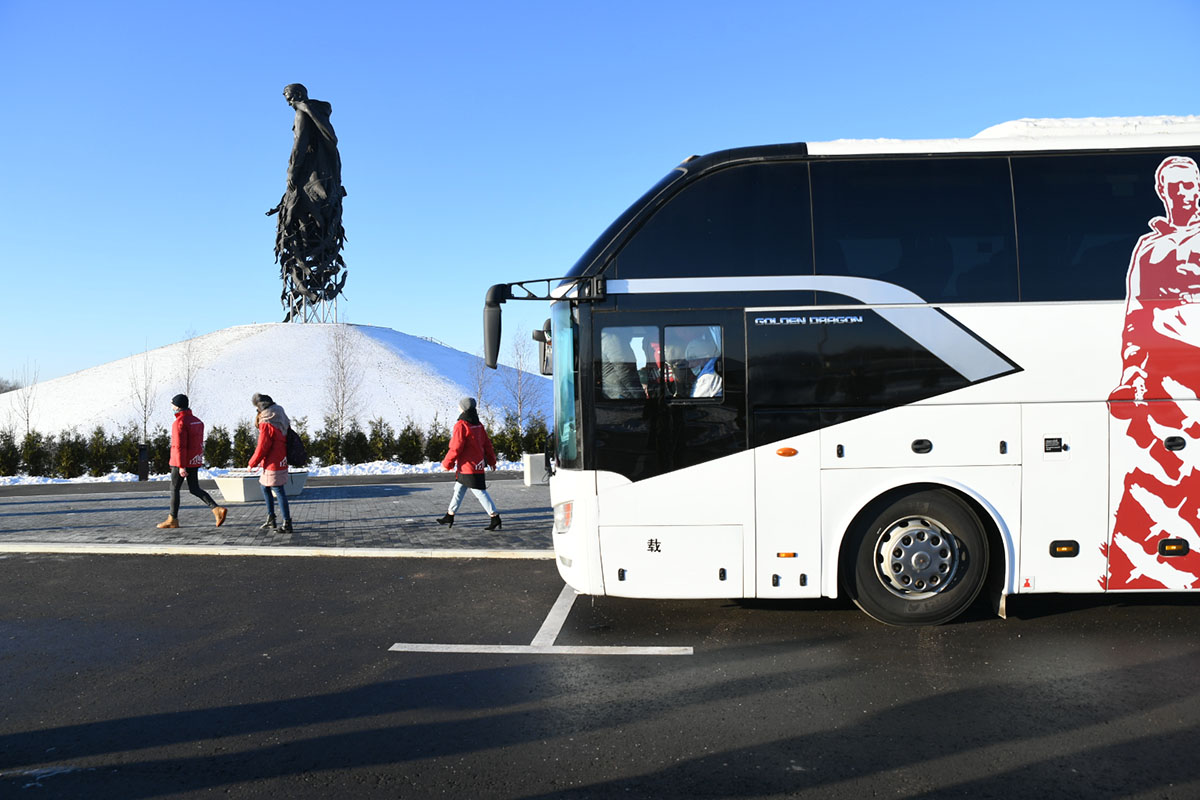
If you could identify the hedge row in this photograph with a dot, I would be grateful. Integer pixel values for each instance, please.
(71, 454)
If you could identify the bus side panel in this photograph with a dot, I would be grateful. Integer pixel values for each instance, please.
(788, 524)
(925, 436)
(844, 492)
(1155, 452)
(672, 561)
(1068, 352)
(717, 494)
(1064, 496)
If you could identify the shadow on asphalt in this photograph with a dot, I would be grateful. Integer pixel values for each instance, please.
(356, 492)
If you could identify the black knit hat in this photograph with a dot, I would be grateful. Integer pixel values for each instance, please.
(180, 401)
(262, 400)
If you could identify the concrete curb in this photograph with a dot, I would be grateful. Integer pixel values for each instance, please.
(235, 550)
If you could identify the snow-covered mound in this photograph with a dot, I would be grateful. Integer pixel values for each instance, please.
(399, 377)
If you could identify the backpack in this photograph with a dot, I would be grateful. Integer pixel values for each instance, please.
(297, 456)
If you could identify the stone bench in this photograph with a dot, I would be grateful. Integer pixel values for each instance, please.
(242, 486)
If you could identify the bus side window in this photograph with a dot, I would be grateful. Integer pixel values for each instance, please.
(940, 227)
(628, 362)
(694, 367)
(1079, 218)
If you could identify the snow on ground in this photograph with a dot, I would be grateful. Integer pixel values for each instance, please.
(373, 468)
(402, 376)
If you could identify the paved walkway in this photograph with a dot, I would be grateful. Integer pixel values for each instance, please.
(332, 516)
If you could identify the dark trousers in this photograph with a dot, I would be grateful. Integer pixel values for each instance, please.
(193, 484)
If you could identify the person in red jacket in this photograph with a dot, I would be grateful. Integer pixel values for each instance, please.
(271, 455)
(187, 457)
(470, 451)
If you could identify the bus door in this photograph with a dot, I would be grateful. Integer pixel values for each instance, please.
(674, 479)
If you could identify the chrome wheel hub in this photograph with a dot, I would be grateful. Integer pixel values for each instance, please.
(916, 557)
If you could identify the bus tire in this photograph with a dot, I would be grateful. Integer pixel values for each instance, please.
(922, 560)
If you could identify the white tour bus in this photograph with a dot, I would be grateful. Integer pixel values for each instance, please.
(907, 371)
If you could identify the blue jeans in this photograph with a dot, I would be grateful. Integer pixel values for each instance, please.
(484, 498)
(283, 506)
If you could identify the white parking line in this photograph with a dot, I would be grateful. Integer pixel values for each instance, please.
(556, 619)
(529, 649)
(543, 642)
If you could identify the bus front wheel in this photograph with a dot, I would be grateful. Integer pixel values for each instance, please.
(922, 560)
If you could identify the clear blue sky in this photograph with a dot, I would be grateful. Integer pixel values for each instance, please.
(481, 142)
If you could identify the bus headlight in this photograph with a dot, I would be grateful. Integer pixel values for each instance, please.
(562, 517)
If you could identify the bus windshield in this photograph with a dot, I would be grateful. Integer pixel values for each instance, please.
(621, 223)
(566, 429)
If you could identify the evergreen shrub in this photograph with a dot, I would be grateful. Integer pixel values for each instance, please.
(37, 453)
(218, 449)
(71, 457)
(382, 440)
(410, 444)
(125, 449)
(356, 448)
(537, 436)
(507, 440)
(160, 451)
(437, 442)
(326, 444)
(100, 453)
(10, 453)
(244, 442)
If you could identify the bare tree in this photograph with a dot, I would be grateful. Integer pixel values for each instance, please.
(343, 377)
(481, 381)
(190, 364)
(520, 384)
(7, 385)
(141, 390)
(26, 394)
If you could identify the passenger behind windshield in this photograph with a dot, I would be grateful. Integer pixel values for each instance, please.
(619, 378)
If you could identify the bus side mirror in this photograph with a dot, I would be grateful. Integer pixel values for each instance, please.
(545, 350)
(491, 322)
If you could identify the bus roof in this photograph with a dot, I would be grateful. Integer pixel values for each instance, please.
(1022, 135)
(1091, 133)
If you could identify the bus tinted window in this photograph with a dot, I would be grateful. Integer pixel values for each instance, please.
(1079, 218)
(748, 220)
(942, 228)
(693, 357)
(628, 368)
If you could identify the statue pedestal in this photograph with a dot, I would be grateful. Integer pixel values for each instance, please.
(242, 486)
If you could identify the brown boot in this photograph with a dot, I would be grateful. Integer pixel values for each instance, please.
(219, 513)
(170, 522)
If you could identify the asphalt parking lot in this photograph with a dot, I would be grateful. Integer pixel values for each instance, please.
(150, 676)
(466, 668)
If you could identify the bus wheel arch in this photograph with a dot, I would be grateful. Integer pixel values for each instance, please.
(921, 554)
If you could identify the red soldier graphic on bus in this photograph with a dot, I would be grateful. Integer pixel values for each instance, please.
(1157, 398)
